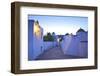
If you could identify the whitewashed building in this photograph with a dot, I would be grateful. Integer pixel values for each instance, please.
(35, 33)
(76, 45)
(37, 39)
(36, 45)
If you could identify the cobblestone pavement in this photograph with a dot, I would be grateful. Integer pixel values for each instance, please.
(54, 53)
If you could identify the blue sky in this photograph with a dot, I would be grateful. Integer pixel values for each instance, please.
(61, 24)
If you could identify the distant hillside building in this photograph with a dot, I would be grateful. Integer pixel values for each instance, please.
(76, 45)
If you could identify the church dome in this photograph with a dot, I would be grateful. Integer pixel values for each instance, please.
(81, 30)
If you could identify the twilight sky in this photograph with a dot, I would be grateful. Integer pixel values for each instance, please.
(61, 24)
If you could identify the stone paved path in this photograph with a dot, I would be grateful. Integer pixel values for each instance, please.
(54, 53)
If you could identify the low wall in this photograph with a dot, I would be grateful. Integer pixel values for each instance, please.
(47, 45)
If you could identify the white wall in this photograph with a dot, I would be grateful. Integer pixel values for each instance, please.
(37, 46)
(70, 45)
(48, 45)
(83, 49)
(5, 32)
(75, 45)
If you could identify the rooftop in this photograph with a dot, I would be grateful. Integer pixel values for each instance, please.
(81, 30)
